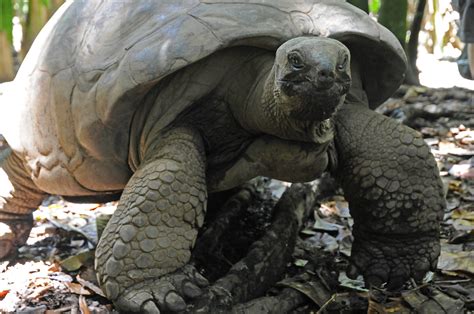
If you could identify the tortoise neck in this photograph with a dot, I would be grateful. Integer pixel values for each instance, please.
(356, 92)
(264, 113)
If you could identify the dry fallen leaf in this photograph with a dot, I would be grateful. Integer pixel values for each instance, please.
(77, 288)
(3, 293)
(77, 261)
(83, 305)
(463, 214)
(354, 284)
(38, 292)
(431, 301)
(457, 261)
(90, 286)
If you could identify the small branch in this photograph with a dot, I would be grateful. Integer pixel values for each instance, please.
(267, 258)
(287, 300)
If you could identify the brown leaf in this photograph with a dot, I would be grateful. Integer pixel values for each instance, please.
(38, 292)
(55, 267)
(77, 288)
(3, 293)
(83, 305)
(90, 286)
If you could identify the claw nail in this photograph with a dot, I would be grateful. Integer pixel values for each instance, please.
(395, 283)
(174, 302)
(352, 271)
(200, 280)
(151, 308)
(434, 265)
(191, 290)
(374, 281)
(418, 276)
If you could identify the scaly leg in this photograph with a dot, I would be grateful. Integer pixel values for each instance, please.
(142, 257)
(395, 195)
(19, 197)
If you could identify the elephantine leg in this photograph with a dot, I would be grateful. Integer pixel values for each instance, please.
(395, 195)
(19, 197)
(142, 257)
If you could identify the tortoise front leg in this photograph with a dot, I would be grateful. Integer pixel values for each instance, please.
(395, 195)
(142, 256)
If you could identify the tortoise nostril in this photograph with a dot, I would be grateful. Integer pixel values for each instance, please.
(325, 74)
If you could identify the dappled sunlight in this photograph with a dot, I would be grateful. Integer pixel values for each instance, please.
(440, 73)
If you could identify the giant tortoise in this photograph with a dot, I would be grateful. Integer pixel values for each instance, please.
(168, 101)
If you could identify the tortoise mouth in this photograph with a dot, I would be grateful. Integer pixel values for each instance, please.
(308, 101)
(315, 86)
(318, 88)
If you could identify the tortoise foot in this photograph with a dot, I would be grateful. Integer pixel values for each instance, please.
(13, 234)
(166, 294)
(393, 260)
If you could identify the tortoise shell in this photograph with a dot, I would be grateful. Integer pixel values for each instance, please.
(69, 110)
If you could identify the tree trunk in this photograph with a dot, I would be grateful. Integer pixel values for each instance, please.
(36, 18)
(361, 4)
(393, 15)
(54, 5)
(6, 58)
(412, 45)
(6, 26)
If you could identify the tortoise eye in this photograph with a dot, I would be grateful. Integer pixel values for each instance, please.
(295, 61)
(341, 66)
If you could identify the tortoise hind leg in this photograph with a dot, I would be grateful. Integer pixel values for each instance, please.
(142, 257)
(19, 197)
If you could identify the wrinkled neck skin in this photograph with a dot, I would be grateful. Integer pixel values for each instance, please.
(356, 93)
(264, 113)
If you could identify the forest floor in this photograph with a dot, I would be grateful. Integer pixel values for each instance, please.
(54, 272)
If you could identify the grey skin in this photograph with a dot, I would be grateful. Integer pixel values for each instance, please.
(286, 116)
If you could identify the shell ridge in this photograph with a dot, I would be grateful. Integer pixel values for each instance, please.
(250, 3)
(40, 168)
(206, 25)
(146, 36)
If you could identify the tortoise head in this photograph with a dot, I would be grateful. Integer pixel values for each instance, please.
(312, 74)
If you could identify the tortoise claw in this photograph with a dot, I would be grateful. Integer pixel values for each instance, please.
(166, 294)
(394, 261)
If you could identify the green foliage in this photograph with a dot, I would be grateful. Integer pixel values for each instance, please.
(361, 4)
(393, 15)
(6, 17)
(374, 6)
(46, 3)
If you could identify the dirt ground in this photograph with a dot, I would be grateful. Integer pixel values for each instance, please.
(54, 272)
